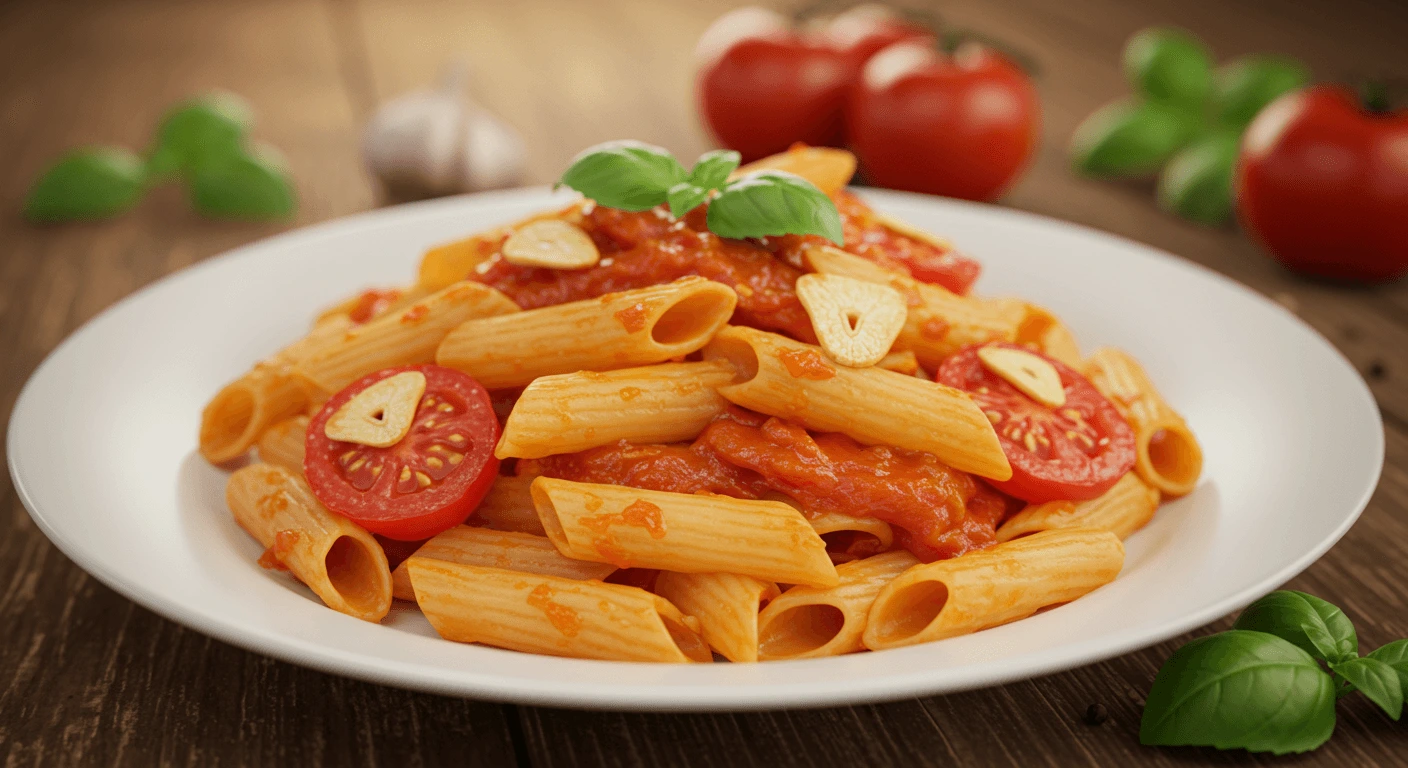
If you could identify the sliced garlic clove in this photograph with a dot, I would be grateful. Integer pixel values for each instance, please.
(380, 415)
(1031, 375)
(855, 322)
(550, 243)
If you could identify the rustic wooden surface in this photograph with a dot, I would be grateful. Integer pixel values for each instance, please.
(87, 677)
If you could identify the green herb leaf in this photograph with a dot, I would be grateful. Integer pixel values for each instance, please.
(1240, 689)
(684, 197)
(629, 175)
(1376, 680)
(91, 183)
(1197, 182)
(1169, 65)
(774, 203)
(209, 126)
(242, 186)
(1287, 613)
(1395, 654)
(711, 170)
(1130, 138)
(1244, 85)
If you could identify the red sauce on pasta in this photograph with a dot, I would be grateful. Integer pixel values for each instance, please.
(805, 364)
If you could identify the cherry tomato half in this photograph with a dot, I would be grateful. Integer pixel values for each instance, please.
(428, 482)
(1077, 451)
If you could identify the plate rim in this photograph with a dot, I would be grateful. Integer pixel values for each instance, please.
(657, 697)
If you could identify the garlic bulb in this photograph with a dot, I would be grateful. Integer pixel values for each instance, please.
(435, 141)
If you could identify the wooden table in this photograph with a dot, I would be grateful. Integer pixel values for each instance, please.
(87, 677)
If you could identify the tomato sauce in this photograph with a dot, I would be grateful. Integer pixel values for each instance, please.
(673, 468)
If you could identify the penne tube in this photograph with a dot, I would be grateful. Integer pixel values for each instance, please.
(852, 536)
(336, 558)
(993, 586)
(1122, 510)
(406, 337)
(789, 379)
(444, 265)
(939, 322)
(552, 615)
(1168, 456)
(726, 605)
(241, 412)
(509, 507)
(572, 412)
(806, 622)
(497, 549)
(684, 532)
(900, 362)
(398, 298)
(618, 330)
(828, 168)
(1052, 337)
(282, 444)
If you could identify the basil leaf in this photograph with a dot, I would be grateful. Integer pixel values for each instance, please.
(209, 126)
(1130, 138)
(1286, 613)
(685, 197)
(91, 183)
(1395, 654)
(1240, 689)
(711, 170)
(774, 203)
(1197, 182)
(1376, 680)
(629, 175)
(1169, 65)
(1244, 85)
(242, 186)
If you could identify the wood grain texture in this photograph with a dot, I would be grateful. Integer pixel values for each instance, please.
(87, 677)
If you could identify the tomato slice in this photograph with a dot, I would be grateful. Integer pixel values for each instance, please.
(1077, 451)
(428, 482)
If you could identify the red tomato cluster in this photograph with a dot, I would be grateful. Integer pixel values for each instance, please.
(963, 125)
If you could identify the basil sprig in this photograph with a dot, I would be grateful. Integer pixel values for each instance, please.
(635, 176)
(1261, 686)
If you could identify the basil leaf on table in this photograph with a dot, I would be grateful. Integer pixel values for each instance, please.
(242, 186)
(629, 175)
(1169, 65)
(1313, 625)
(91, 183)
(1244, 85)
(1197, 181)
(1376, 680)
(774, 203)
(1240, 689)
(205, 127)
(1130, 138)
(1395, 654)
(711, 170)
(685, 197)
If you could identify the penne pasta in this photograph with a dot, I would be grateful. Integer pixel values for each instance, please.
(509, 507)
(618, 330)
(241, 411)
(572, 412)
(1052, 337)
(399, 298)
(900, 362)
(688, 533)
(340, 562)
(726, 605)
(445, 265)
(552, 615)
(807, 622)
(789, 379)
(993, 586)
(1168, 456)
(1122, 510)
(406, 337)
(497, 549)
(282, 444)
(866, 534)
(828, 168)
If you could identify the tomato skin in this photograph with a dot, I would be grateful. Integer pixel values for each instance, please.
(408, 511)
(1322, 184)
(1071, 464)
(963, 126)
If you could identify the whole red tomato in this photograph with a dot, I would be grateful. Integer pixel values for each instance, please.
(1322, 182)
(764, 86)
(963, 125)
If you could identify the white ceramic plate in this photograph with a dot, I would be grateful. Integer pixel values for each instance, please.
(102, 449)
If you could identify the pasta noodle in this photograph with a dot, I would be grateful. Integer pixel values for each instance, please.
(786, 378)
(688, 533)
(282, 444)
(497, 549)
(983, 589)
(618, 330)
(450, 263)
(509, 507)
(1122, 510)
(807, 622)
(340, 562)
(572, 412)
(552, 615)
(726, 605)
(1168, 455)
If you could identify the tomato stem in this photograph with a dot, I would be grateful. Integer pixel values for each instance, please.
(1374, 93)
